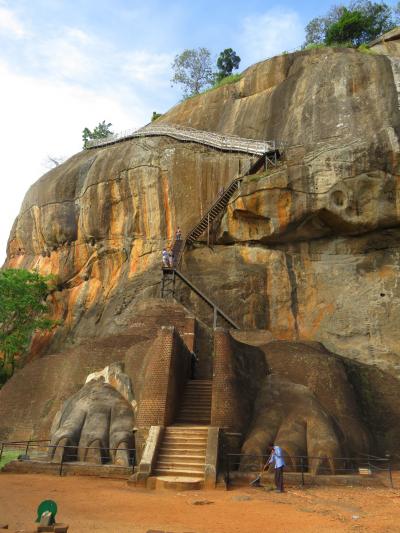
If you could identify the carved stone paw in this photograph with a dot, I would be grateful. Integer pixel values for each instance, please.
(289, 415)
(95, 425)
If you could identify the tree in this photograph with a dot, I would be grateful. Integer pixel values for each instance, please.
(361, 22)
(226, 62)
(23, 311)
(350, 28)
(54, 161)
(192, 69)
(101, 131)
(155, 116)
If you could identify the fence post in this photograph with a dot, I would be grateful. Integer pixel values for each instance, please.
(302, 470)
(1, 450)
(61, 462)
(27, 447)
(390, 472)
(227, 482)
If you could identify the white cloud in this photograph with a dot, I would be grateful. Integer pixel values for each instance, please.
(41, 117)
(148, 68)
(10, 24)
(271, 33)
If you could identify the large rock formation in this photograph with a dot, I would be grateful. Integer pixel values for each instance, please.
(308, 250)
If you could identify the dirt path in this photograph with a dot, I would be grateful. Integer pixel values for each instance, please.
(102, 505)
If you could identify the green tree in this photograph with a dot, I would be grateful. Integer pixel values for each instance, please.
(350, 28)
(226, 62)
(155, 116)
(361, 22)
(192, 69)
(23, 311)
(101, 131)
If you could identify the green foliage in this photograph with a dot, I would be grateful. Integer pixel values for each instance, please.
(350, 28)
(23, 311)
(228, 80)
(227, 61)
(314, 46)
(364, 48)
(360, 22)
(192, 70)
(8, 456)
(101, 131)
(155, 116)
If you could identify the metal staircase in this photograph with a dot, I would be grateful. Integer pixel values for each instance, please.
(170, 274)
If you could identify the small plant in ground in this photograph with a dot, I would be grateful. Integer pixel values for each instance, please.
(155, 116)
(313, 46)
(101, 131)
(233, 78)
(365, 49)
(8, 456)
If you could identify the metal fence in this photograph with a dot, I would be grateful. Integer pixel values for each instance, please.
(364, 465)
(41, 451)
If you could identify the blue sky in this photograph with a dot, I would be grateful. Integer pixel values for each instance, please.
(69, 64)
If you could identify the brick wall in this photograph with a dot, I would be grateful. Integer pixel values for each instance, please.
(237, 371)
(166, 373)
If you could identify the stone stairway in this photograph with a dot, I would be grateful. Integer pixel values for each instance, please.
(196, 403)
(183, 452)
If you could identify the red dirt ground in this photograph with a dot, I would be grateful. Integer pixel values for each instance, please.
(103, 505)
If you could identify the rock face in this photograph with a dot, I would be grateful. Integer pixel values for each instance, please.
(308, 250)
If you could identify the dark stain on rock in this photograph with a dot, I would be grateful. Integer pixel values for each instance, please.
(294, 303)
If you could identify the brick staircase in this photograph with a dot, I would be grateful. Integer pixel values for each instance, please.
(196, 403)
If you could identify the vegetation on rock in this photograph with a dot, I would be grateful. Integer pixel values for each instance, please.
(192, 70)
(23, 310)
(101, 131)
(360, 22)
(227, 61)
(155, 116)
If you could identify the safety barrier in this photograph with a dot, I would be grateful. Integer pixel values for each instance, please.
(40, 452)
(230, 143)
(239, 465)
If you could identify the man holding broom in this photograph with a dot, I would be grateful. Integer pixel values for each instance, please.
(276, 457)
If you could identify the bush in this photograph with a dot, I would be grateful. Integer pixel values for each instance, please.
(228, 80)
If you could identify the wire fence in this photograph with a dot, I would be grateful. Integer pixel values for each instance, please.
(237, 465)
(42, 451)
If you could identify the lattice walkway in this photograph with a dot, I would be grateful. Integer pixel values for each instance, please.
(229, 143)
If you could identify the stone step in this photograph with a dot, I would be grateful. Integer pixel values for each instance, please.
(181, 460)
(201, 410)
(201, 433)
(194, 419)
(187, 433)
(182, 441)
(187, 427)
(179, 471)
(178, 482)
(196, 401)
(179, 450)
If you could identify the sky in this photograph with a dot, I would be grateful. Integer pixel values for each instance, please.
(69, 64)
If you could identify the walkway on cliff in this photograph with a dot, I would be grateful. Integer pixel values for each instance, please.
(229, 143)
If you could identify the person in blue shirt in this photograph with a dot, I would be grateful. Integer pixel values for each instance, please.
(276, 458)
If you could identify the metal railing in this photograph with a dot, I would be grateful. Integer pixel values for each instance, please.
(42, 451)
(336, 466)
(231, 143)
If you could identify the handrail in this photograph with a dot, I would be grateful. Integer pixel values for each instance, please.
(216, 309)
(227, 142)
